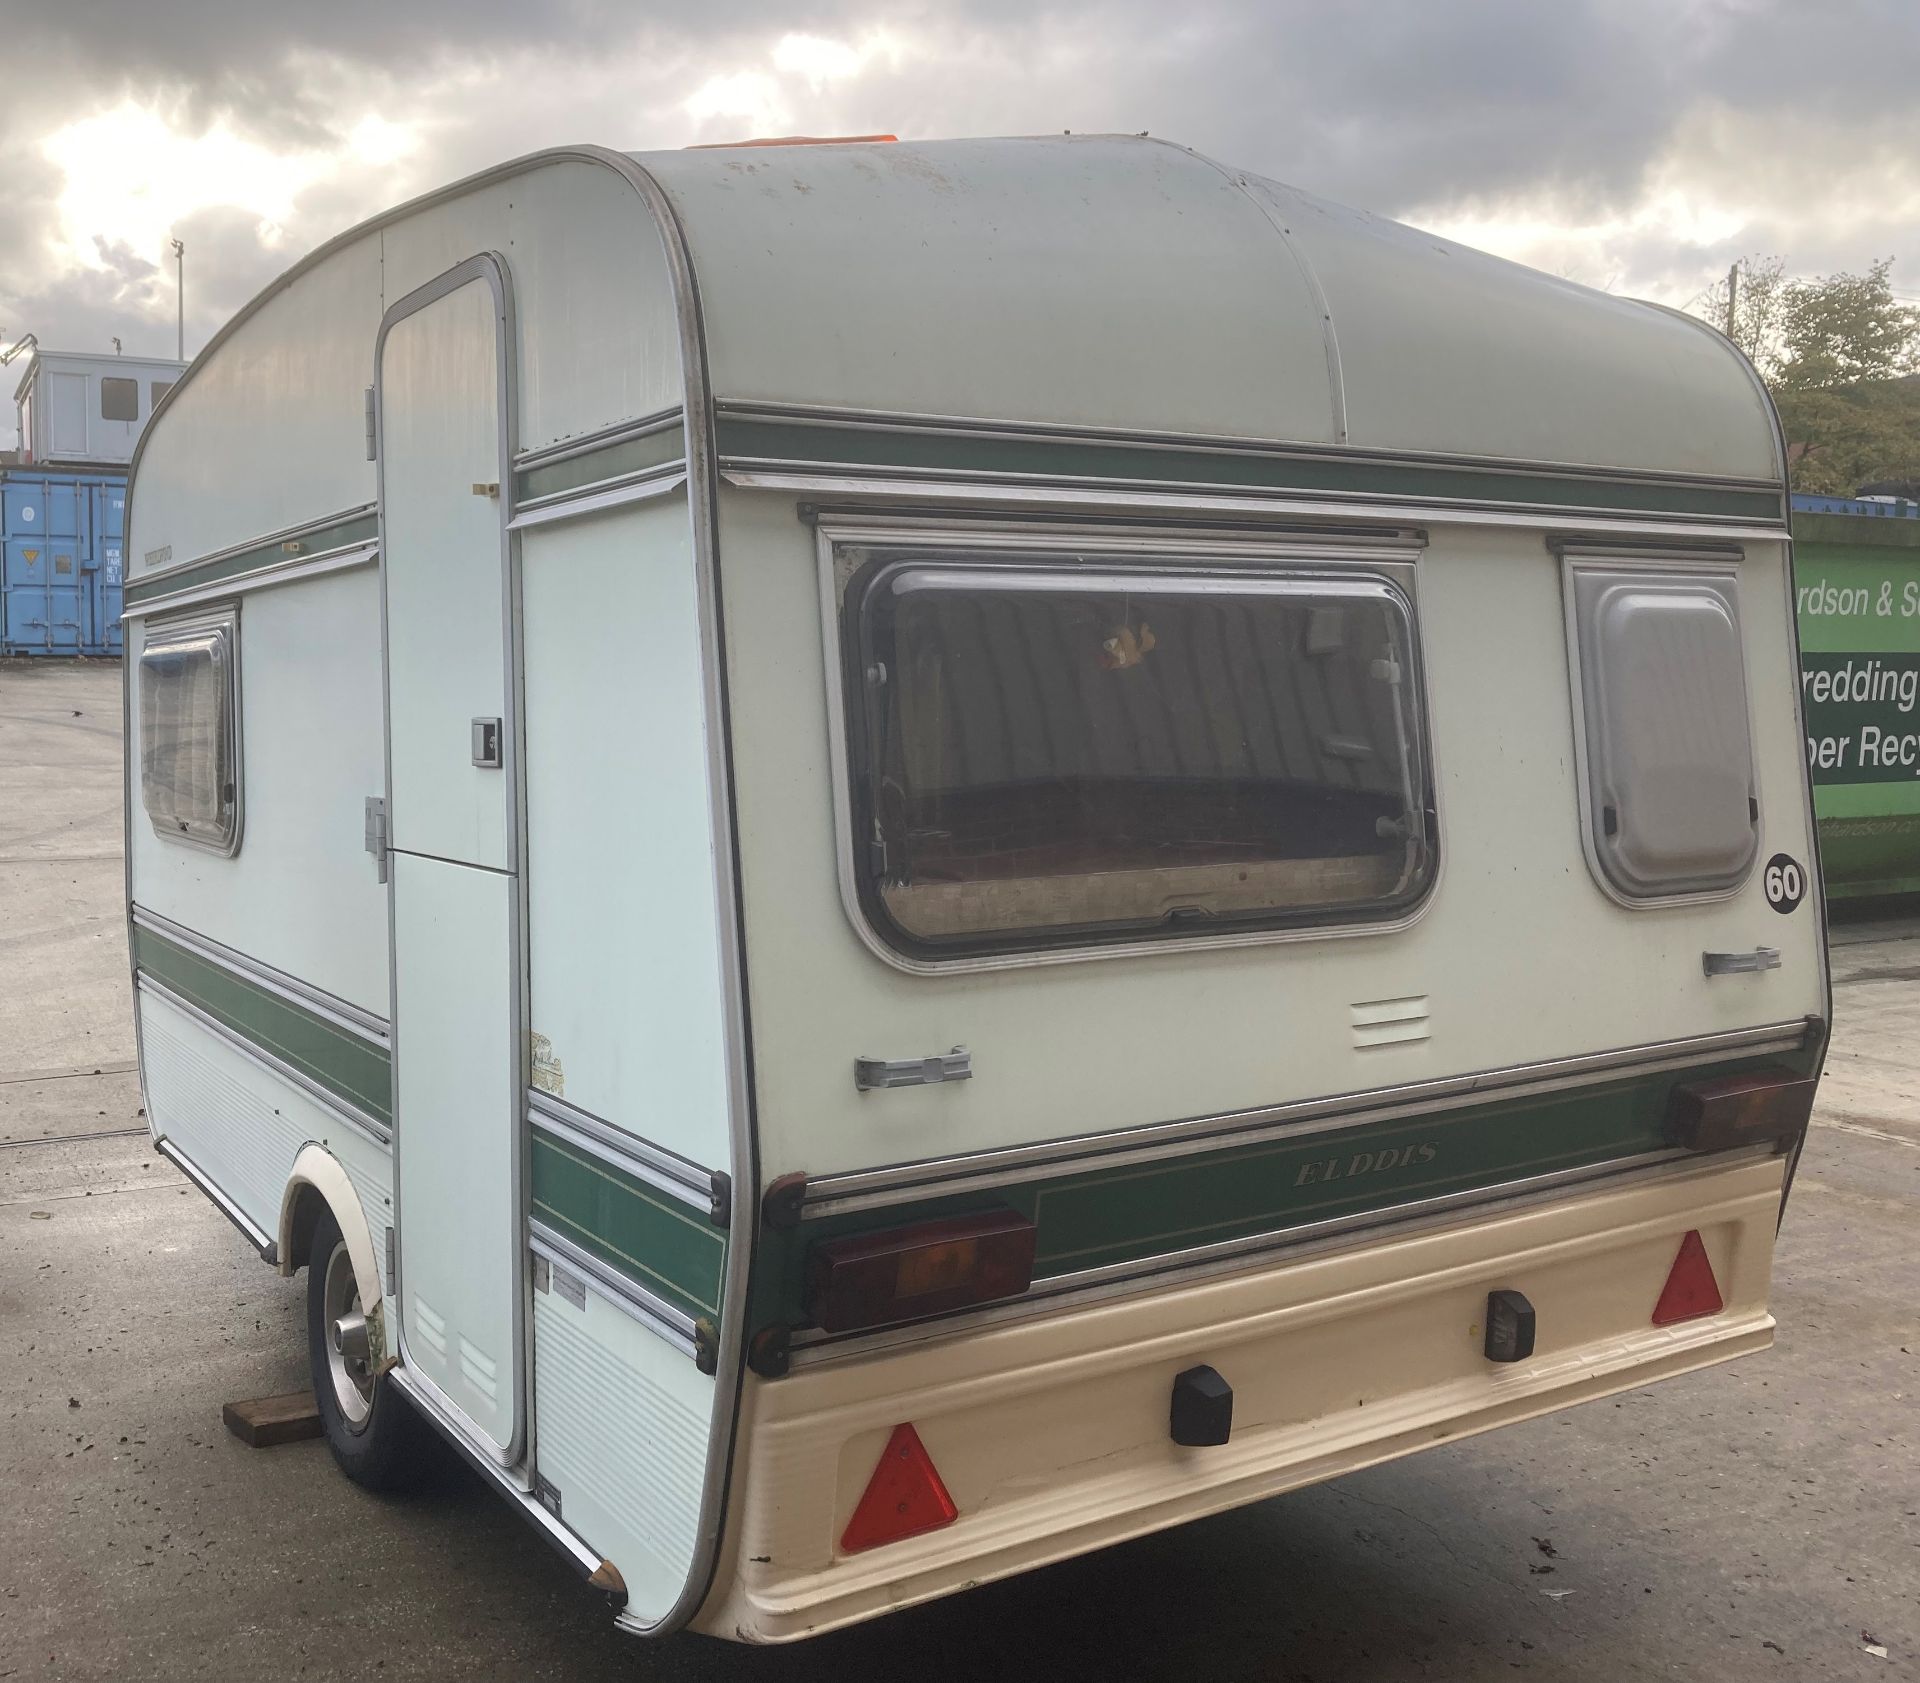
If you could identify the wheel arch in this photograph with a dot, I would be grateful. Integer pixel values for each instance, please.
(318, 1182)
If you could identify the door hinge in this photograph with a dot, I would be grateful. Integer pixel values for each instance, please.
(376, 839)
(390, 1255)
(372, 445)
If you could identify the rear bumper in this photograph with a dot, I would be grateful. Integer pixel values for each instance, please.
(1052, 1433)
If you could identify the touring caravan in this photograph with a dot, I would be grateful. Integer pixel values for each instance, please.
(896, 859)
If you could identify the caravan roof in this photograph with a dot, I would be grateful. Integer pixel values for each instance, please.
(1123, 282)
(1037, 307)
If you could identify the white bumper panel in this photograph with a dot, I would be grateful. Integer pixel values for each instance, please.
(1052, 1433)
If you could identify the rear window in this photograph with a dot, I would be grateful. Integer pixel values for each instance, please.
(1048, 754)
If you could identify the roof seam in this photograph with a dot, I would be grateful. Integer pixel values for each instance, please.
(1329, 334)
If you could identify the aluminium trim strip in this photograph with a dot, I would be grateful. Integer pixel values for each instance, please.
(254, 1234)
(643, 426)
(1017, 491)
(1220, 549)
(289, 571)
(336, 1010)
(1213, 444)
(661, 1169)
(332, 1103)
(626, 1295)
(703, 511)
(1175, 1268)
(601, 495)
(836, 1194)
(360, 511)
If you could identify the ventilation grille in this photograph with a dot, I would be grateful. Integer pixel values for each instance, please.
(1389, 1022)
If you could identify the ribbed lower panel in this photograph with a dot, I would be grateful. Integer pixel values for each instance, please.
(622, 1421)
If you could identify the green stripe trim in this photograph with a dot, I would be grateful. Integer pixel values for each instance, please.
(841, 447)
(634, 1228)
(612, 461)
(1153, 1211)
(342, 534)
(345, 1064)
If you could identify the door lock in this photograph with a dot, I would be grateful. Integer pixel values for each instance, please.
(486, 744)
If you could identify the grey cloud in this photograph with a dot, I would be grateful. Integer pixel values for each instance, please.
(1404, 106)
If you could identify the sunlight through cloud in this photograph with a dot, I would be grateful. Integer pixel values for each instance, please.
(130, 177)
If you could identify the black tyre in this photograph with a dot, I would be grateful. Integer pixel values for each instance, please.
(374, 1435)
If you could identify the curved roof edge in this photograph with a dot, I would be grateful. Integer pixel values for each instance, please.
(1119, 283)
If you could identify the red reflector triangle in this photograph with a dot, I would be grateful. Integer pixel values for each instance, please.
(904, 1497)
(1691, 1290)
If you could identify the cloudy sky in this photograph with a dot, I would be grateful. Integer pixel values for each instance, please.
(1636, 145)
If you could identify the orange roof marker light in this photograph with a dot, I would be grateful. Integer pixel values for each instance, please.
(904, 1498)
(799, 140)
(1691, 1291)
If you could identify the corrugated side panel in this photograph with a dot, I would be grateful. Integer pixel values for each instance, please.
(242, 1125)
(621, 1422)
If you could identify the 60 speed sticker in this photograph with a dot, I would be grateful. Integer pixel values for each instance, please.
(1786, 882)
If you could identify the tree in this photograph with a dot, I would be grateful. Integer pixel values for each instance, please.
(1832, 349)
(1759, 286)
(1838, 440)
(1841, 329)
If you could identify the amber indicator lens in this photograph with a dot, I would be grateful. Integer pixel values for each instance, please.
(1761, 1106)
(873, 1279)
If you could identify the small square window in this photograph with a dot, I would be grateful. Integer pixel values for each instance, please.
(189, 732)
(119, 398)
(1666, 747)
(156, 392)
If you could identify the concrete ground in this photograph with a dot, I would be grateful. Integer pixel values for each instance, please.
(1759, 1520)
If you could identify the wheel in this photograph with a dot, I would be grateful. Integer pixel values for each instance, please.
(372, 1432)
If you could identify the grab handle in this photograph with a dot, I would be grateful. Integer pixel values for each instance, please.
(1740, 964)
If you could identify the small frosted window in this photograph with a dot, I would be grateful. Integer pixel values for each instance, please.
(189, 749)
(1671, 805)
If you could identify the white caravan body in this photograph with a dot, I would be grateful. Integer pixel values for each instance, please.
(941, 852)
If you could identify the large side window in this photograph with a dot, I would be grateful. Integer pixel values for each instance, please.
(1046, 754)
(1671, 809)
(190, 731)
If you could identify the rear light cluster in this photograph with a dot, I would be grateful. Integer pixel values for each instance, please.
(930, 1268)
(1763, 1106)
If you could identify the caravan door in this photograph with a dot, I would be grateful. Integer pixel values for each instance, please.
(444, 395)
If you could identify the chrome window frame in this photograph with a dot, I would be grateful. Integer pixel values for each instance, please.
(156, 635)
(1722, 568)
(1387, 556)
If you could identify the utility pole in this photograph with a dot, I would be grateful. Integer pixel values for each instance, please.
(179, 279)
(1733, 294)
